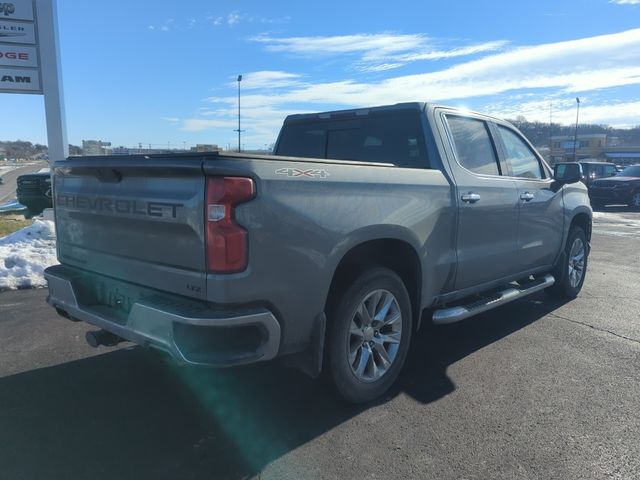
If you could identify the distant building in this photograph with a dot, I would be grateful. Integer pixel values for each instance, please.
(593, 146)
(623, 155)
(588, 146)
(122, 151)
(95, 147)
(205, 147)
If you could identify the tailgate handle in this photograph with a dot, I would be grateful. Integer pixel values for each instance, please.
(108, 175)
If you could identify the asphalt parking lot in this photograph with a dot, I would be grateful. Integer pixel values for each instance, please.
(534, 390)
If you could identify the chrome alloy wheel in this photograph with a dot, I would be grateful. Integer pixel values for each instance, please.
(576, 262)
(374, 335)
(635, 200)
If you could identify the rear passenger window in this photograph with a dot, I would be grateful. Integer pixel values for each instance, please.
(520, 158)
(610, 170)
(473, 146)
(597, 171)
(302, 141)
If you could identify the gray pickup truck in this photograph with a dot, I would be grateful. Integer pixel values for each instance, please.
(328, 254)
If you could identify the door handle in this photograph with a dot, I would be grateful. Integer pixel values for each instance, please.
(526, 196)
(470, 197)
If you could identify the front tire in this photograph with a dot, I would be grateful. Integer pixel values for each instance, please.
(635, 201)
(368, 336)
(573, 268)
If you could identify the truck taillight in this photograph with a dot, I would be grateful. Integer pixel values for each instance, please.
(226, 241)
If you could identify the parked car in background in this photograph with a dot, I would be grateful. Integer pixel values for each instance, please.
(34, 191)
(624, 188)
(593, 170)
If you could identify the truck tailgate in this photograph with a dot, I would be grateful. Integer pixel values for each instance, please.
(136, 219)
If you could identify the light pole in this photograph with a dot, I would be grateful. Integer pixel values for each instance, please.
(239, 130)
(575, 133)
(550, 128)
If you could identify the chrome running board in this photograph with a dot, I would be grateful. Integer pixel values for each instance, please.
(455, 314)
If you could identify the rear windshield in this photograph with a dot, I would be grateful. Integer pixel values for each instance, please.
(395, 138)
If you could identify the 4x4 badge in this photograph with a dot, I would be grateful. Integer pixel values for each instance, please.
(296, 172)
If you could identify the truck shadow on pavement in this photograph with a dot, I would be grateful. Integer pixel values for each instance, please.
(130, 414)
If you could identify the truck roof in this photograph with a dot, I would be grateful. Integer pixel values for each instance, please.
(398, 107)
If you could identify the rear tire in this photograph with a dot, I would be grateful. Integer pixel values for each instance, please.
(635, 201)
(573, 269)
(368, 335)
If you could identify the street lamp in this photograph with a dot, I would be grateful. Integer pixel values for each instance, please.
(239, 130)
(575, 134)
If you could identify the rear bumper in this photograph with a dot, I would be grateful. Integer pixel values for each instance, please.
(192, 332)
(31, 198)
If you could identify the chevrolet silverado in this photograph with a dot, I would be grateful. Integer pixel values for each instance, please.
(328, 254)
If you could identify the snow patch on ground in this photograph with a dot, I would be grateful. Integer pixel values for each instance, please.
(11, 205)
(625, 224)
(25, 254)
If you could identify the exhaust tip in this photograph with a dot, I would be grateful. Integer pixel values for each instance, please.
(96, 338)
(92, 339)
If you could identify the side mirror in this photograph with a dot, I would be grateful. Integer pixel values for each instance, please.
(567, 172)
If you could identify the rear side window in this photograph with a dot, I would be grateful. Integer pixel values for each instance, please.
(610, 170)
(302, 140)
(519, 157)
(597, 171)
(473, 146)
(394, 137)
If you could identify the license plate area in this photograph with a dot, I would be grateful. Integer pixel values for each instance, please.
(114, 297)
(109, 295)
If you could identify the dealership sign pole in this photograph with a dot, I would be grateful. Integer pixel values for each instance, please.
(30, 62)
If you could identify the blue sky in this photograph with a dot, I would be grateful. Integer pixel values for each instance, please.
(163, 72)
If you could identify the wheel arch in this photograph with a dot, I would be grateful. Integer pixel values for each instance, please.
(583, 220)
(397, 254)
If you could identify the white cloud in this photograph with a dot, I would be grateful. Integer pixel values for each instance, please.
(616, 114)
(362, 43)
(269, 79)
(534, 73)
(377, 52)
(233, 18)
(574, 66)
(626, 2)
(200, 124)
(454, 52)
(168, 25)
(215, 20)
